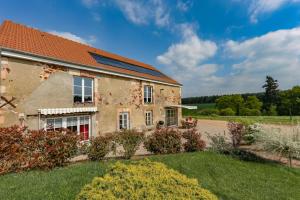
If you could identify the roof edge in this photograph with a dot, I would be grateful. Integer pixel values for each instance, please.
(38, 58)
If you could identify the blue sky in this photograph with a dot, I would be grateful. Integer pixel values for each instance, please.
(210, 46)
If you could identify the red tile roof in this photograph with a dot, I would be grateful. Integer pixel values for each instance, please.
(25, 39)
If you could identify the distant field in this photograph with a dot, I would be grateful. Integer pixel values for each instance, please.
(260, 119)
(187, 112)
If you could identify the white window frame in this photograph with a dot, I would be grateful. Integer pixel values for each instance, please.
(173, 119)
(124, 116)
(64, 123)
(148, 94)
(149, 118)
(82, 88)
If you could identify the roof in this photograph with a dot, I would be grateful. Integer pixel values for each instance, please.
(24, 39)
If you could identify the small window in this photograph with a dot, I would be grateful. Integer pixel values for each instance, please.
(72, 124)
(149, 118)
(82, 89)
(54, 124)
(148, 94)
(124, 120)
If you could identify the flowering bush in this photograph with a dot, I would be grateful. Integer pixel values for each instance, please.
(23, 150)
(164, 141)
(144, 180)
(251, 132)
(236, 131)
(219, 144)
(193, 141)
(285, 142)
(100, 146)
(130, 140)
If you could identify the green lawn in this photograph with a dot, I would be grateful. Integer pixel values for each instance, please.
(260, 119)
(227, 177)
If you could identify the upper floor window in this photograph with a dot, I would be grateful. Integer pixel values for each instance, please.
(83, 89)
(148, 94)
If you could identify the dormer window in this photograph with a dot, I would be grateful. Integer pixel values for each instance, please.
(148, 94)
(83, 90)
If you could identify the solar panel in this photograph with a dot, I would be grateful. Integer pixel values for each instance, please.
(116, 63)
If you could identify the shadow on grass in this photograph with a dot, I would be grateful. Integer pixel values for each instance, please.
(245, 155)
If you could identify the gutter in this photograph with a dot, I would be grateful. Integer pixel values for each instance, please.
(34, 57)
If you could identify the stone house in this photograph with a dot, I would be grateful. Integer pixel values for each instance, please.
(49, 82)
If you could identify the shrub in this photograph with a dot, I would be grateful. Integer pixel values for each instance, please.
(12, 152)
(227, 112)
(250, 112)
(251, 132)
(20, 150)
(130, 140)
(164, 141)
(193, 141)
(100, 146)
(236, 131)
(281, 141)
(144, 180)
(209, 112)
(219, 144)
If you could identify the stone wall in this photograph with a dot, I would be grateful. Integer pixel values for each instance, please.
(36, 85)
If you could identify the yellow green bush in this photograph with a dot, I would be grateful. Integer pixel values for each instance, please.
(144, 180)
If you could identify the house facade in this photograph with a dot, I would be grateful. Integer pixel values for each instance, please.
(49, 82)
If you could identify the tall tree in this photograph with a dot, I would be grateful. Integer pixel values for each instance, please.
(271, 93)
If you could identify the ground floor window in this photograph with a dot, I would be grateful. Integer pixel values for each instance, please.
(171, 116)
(124, 120)
(78, 124)
(149, 118)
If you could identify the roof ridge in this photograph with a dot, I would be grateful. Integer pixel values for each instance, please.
(32, 40)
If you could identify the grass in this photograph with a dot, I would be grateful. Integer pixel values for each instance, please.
(285, 120)
(225, 176)
(261, 119)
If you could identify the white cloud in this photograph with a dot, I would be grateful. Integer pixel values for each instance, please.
(246, 63)
(186, 61)
(276, 53)
(90, 40)
(183, 6)
(259, 7)
(143, 12)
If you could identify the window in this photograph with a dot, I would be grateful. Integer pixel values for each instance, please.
(148, 94)
(171, 117)
(149, 118)
(72, 124)
(124, 120)
(83, 89)
(54, 124)
(79, 125)
(116, 63)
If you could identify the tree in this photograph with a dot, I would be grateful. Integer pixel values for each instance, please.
(252, 102)
(271, 93)
(235, 102)
(289, 102)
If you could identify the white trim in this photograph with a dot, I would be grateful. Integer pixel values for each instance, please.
(75, 66)
(53, 111)
(64, 123)
(184, 106)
